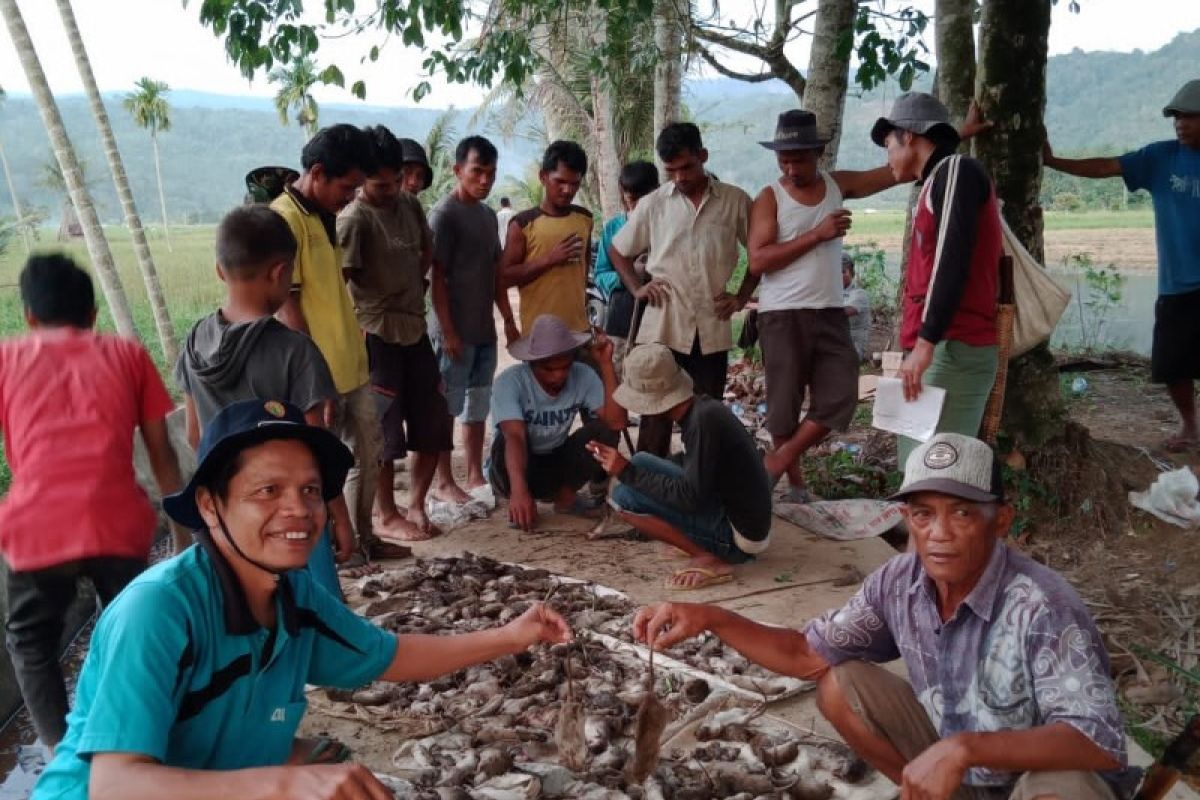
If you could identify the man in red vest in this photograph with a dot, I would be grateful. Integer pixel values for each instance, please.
(948, 330)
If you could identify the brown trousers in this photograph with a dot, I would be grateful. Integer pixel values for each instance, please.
(886, 703)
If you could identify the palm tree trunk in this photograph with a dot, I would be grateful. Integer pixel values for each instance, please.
(12, 192)
(162, 197)
(829, 72)
(158, 304)
(668, 71)
(604, 144)
(97, 244)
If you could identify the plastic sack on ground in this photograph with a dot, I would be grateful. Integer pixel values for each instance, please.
(1172, 498)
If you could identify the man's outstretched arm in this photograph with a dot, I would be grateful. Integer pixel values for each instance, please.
(1103, 167)
(782, 650)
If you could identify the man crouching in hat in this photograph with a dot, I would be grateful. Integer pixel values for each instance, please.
(713, 502)
(194, 683)
(534, 404)
(1010, 693)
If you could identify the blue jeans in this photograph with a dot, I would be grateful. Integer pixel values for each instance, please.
(707, 527)
(468, 381)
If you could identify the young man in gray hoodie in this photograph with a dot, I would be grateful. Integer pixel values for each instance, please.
(241, 352)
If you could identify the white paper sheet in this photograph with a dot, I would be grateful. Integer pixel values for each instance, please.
(916, 420)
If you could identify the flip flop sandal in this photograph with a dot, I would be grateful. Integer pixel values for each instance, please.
(583, 506)
(710, 579)
(393, 535)
(379, 550)
(328, 751)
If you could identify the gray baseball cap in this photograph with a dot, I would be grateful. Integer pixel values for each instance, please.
(920, 113)
(953, 464)
(1185, 101)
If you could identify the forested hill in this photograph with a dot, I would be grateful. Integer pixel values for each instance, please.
(1098, 103)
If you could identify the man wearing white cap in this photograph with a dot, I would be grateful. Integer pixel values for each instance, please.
(1008, 692)
(1170, 172)
(713, 501)
(535, 456)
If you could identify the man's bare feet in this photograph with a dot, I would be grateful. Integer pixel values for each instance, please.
(475, 483)
(701, 572)
(450, 493)
(406, 529)
(1185, 440)
(775, 466)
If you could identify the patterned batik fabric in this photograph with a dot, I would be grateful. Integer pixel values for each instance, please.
(1020, 651)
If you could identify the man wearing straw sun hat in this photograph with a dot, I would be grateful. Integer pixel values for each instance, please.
(713, 502)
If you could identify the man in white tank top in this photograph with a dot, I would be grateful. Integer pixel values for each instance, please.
(795, 243)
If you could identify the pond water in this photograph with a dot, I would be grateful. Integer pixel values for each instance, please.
(1127, 326)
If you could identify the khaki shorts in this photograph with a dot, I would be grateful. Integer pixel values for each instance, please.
(886, 703)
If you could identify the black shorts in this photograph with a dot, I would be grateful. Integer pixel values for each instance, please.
(619, 317)
(407, 382)
(1175, 355)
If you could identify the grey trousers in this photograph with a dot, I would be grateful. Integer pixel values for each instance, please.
(37, 607)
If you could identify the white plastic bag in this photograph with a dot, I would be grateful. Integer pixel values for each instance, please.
(1172, 498)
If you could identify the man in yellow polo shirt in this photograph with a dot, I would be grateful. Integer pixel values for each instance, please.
(546, 251)
(335, 163)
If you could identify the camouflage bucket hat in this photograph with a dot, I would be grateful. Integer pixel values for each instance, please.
(264, 184)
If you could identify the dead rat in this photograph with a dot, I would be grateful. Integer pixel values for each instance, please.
(568, 731)
(649, 726)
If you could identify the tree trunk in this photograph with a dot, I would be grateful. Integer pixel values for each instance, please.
(829, 72)
(1013, 47)
(158, 304)
(955, 77)
(162, 197)
(607, 165)
(668, 70)
(22, 225)
(64, 153)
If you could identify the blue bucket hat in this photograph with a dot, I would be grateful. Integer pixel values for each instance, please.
(250, 423)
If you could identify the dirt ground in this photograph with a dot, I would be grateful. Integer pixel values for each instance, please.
(1132, 249)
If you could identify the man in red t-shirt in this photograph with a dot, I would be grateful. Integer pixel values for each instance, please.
(70, 400)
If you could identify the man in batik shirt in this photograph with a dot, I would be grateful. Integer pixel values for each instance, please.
(1010, 693)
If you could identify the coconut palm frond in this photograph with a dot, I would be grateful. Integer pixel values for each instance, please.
(295, 82)
(148, 105)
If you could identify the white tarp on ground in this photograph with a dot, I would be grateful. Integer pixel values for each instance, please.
(844, 520)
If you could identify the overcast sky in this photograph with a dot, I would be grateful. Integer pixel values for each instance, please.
(127, 39)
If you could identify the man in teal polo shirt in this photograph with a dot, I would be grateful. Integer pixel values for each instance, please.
(194, 684)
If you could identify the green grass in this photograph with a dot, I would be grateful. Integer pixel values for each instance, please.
(891, 223)
(187, 275)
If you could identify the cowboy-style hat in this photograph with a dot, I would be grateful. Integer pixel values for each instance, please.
(796, 130)
(548, 337)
